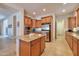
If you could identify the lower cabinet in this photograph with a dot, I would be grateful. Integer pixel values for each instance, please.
(73, 42)
(24, 48)
(42, 44)
(74, 46)
(78, 47)
(35, 48)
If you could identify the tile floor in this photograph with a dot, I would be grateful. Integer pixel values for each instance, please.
(57, 48)
(7, 46)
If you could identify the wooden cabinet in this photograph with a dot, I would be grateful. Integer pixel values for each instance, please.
(42, 44)
(74, 43)
(46, 19)
(24, 48)
(27, 21)
(77, 17)
(78, 47)
(69, 39)
(71, 22)
(36, 23)
(32, 48)
(35, 48)
(74, 46)
(33, 23)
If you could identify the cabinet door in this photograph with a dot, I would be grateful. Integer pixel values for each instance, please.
(77, 17)
(35, 48)
(25, 21)
(28, 21)
(42, 44)
(33, 23)
(24, 49)
(71, 22)
(74, 46)
(70, 41)
(38, 23)
(78, 48)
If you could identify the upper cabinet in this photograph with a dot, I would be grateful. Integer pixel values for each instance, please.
(71, 22)
(46, 19)
(77, 16)
(36, 23)
(33, 23)
(27, 21)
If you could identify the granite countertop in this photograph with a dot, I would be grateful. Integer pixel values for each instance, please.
(31, 37)
(76, 35)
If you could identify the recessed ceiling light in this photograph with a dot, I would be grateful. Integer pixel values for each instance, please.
(34, 13)
(44, 9)
(63, 10)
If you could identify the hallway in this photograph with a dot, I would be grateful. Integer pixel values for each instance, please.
(58, 48)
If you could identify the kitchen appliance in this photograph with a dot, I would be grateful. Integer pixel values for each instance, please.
(46, 29)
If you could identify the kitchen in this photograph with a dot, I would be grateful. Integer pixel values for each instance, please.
(38, 31)
(35, 32)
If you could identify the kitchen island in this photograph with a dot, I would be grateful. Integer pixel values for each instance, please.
(31, 45)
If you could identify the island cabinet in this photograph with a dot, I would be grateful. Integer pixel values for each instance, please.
(42, 44)
(24, 48)
(33, 47)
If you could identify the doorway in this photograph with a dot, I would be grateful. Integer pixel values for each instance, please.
(60, 29)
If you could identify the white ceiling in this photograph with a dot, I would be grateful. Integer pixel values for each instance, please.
(7, 9)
